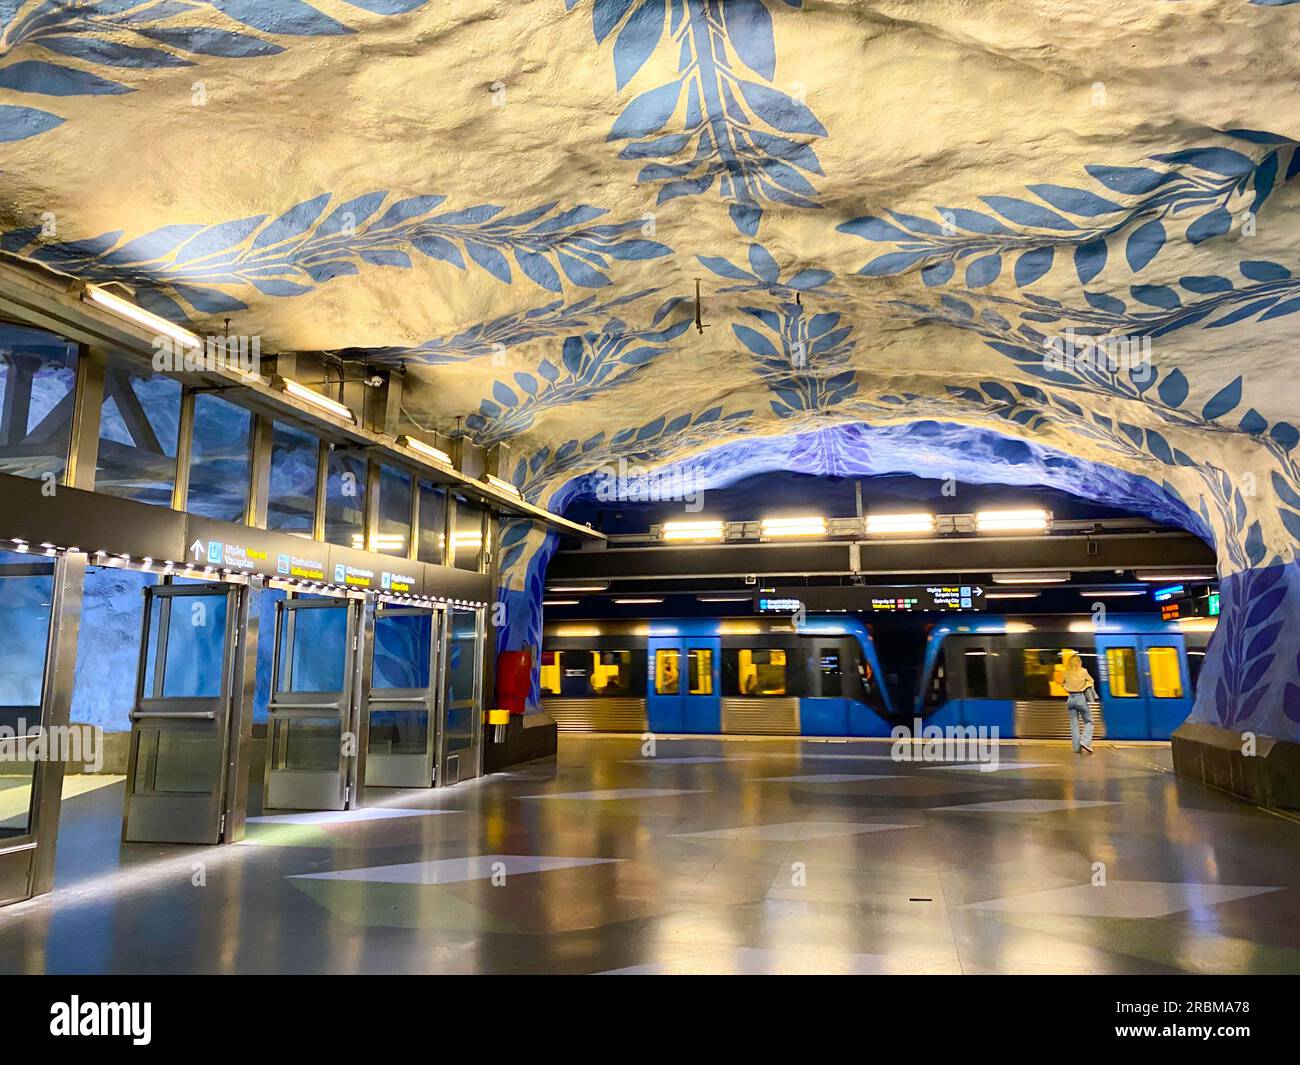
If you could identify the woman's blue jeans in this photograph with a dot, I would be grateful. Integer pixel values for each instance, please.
(1080, 721)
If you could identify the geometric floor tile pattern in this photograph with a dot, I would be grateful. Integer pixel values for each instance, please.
(791, 831)
(1122, 898)
(746, 858)
(456, 870)
(1027, 806)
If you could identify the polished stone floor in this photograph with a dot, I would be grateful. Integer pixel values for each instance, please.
(750, 856)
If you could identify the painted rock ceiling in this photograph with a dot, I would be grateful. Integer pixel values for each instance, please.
(896, 211)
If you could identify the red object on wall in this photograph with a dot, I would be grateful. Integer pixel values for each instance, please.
(514, 679)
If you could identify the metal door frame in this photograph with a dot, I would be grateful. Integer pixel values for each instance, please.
(221, 819)
(443, 776)
(429, 699)
(345, 704)
(27, 861)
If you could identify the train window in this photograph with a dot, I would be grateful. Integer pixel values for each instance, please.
(1166, 677)
(1195, 660)
(761, 671)
(611, 672)
(700, 663)
(1043, 669)
(550, 673)
(667, 671)
(829, 662)
(977, 674)
(1122, 671)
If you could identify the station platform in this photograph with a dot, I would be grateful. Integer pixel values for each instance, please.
(716, 856)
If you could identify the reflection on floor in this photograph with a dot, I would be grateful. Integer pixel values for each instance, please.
(763, 856)
(16, 794)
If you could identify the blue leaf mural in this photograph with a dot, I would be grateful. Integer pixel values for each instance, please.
(713, 126)
(303, 247)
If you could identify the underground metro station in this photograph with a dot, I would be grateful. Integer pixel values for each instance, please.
(678, 487)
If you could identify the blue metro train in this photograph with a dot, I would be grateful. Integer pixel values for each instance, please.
(823, 677)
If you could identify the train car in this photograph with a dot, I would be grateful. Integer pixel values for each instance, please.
(1006, 672)
(757, 676)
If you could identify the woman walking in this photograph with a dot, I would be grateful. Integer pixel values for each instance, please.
(1079, 688)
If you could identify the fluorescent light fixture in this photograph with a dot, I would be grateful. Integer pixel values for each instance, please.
(1151, 576)
(128, 310)
(1198, 625)
(807, 525)
(1049, 577)
(899, 524)
(724, 598)
(1109, 594)
(1034, 520)
(309, 395)
(578, 587)
(1011, 595)
(424, 450)
(637, 602)
(1019, 627)
(691, 530)
(560, 602)
(502, 485)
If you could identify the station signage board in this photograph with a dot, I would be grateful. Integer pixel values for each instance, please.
(349, 568)
(257, 552)
(867, 599)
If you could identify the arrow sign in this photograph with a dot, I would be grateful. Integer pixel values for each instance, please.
(199, 550)
(978, 591)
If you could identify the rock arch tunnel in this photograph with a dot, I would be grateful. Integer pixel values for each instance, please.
(713, 239)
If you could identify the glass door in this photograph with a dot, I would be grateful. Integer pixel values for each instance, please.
(315, 752)
(403, 700)
(40, 604)
(460, 739)
(188, 716)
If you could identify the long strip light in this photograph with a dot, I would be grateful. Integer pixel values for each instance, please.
(1011, 520)
(1052, 577)
(133, 313)
(560, 602)
(637, 602)
(691, 530)
(899, 524)
(724, 598)
(805, 525)
(502, 485)
(1109, 594)
(1201, 576)
(309, 395)
(1011, 595)
(424, 450)
(578, 587)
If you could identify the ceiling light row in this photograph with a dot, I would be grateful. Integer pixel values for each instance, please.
(815, 525)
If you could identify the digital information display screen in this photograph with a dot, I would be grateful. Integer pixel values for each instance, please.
(929, 598)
